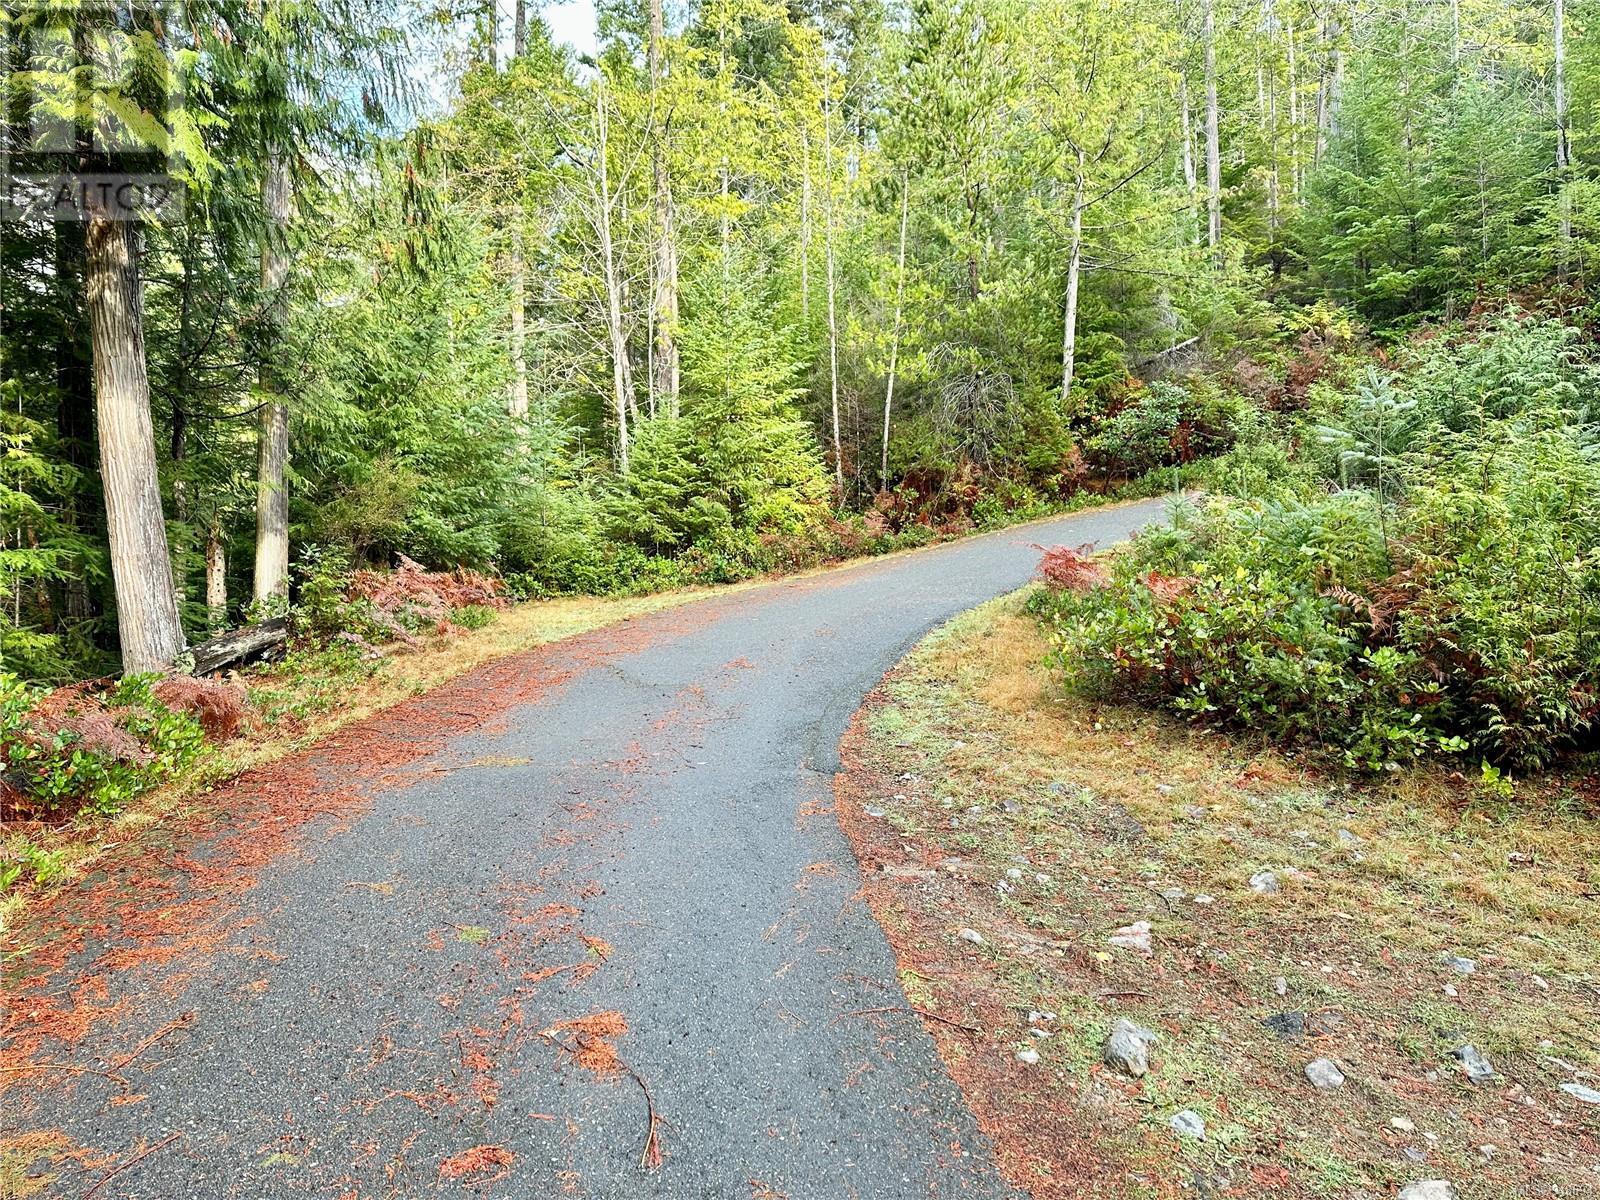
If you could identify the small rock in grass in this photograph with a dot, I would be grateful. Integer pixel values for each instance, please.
(1288, 1026)
(1039, 1016)
(1280, 985)
(1476, 1065)
(1173, 894)
(1324, 1073)
(1194, 812)
(1037, 1032)
(873, 811)
(1461, 966)
(1029, 1056)
(1346, 838)
(1011, 806)
(1265, 883)
(1403, 1124)
(1488, 1150)
(1321, 1024)
(1133, 937)
(971, 935)
(1188, 1124)
(1202, 898)
(1013, 872)
(1415, 1155)
(1430, 1189)
(1578, 1092)
(1128, 1048)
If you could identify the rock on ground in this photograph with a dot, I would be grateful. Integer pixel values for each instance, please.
(1324, 1073)
(1128, 1048)
(1430, 1189)
(1188, 1124)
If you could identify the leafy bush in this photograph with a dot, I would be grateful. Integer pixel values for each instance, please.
(1420, 574)
(73, 750)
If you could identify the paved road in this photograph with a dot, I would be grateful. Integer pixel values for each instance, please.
(647, 833)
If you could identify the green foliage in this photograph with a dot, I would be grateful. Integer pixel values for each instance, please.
(55, 769)
(1446, 597)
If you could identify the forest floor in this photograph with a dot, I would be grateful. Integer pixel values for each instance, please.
(1007, 835)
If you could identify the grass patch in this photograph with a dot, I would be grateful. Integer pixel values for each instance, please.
(1054, 821)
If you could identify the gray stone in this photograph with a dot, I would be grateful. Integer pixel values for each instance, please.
(1029, 1056)
(1133, 937)
(1578, 1092)
(1265, 882)
(1476, 1065)
(1128, 1048)
(1461, 966)
(1288, 1026)
(1430, 1189)
(1321, 1024)
(1346, 838)
(873, 811)
(1188, 1124)
(1324, 1073)
(1280, 985)
(971, 935)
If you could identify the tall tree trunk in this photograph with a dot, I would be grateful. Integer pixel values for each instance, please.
(272, 487)
(519, 28)
(665, 371)
(216, 577)
(1069, 332)
(518, 404)
(833, 317)
(616, 334)
(899, 310)
(75, 406)
(1269, 17)
(1213, 144)
(1295, 173)
(1191, 181)
(805, 224)
(147, 613)
(491, 17)
(1563, 146)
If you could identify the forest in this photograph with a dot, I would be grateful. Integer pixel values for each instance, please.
(762, 285)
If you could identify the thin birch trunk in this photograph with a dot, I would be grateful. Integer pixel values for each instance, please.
(518, 405)
(621, 370)
(664, 365)
(833, 319)
(1295, 175)
(1191, 182)
(1213, 143)
(1069, 331)
(272, 489)
(805, 224)
(1563, 146)
(899, 310)
(147, 612)
(216, 578)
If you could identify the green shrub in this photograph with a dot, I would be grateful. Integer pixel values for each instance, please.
(54, 767)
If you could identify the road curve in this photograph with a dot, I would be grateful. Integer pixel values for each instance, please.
(423, 993)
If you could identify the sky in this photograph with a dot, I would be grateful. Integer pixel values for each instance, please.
(573, 22)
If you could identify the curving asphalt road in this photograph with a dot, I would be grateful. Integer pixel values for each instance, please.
(651, 835)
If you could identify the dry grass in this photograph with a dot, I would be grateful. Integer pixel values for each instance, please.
(1100, 810)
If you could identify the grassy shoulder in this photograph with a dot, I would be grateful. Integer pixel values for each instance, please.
(1008, 835)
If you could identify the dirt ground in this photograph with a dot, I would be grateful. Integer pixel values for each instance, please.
(1008, 834)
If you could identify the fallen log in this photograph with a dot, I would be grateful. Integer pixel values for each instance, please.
(239, 645)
